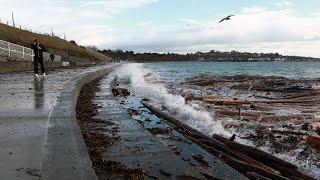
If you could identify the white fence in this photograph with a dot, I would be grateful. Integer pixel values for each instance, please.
(21, 53)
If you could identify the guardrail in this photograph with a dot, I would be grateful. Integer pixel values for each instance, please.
(21, 53)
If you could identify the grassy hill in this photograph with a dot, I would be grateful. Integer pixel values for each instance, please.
(25, 38)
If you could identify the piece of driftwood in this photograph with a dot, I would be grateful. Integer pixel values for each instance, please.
(225, 101)
(254, 175)
(263, 118)
(236, 154)
(244, 168)
(237, 164)
(314, 142)
(251, 164)
(278, 131)
(236, 113)
(120, 92)
(214, 146)
(240, 102)
(286, 169)
(255, 153)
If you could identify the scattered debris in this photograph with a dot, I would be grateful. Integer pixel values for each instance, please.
(118, 168)
(314, 142)
(276, 112)
(133, 112)
(147, 75)
(241, 157)
(157, 130)
(145, 99)
(175, 149)
(199, 158)
(95, 133)
(120, 92)
(33, 172)
(318, 131)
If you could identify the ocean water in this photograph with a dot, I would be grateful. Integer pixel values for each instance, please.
(178, 70)
(159, 75)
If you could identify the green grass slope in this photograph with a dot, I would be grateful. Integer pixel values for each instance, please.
(25, 38)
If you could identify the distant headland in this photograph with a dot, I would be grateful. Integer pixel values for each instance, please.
(200, 56)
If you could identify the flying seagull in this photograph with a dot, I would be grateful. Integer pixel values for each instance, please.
(226, 18)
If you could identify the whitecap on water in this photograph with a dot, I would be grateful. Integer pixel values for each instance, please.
(198, 119)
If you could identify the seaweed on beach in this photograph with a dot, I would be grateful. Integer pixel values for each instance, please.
(97, 137)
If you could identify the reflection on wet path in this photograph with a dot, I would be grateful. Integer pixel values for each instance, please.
(23, 96)
(38, 93)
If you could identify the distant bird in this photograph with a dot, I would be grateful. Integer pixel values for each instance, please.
(187, 27)
(226, 18)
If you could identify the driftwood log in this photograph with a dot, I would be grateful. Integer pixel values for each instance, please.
(287, 169)
(277, 131)
(314, 142)
(244, 159)
(243, 168)
(239, 102)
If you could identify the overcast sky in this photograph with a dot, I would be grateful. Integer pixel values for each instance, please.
(286, 26)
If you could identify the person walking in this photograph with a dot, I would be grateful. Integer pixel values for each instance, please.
(52, 56)
(38, 50)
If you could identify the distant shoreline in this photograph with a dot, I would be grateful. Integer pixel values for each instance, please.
(213, 55)
(158, 61)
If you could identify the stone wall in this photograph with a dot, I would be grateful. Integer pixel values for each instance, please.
(13, 66)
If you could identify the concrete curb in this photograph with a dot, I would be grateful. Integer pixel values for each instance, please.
(65, 155)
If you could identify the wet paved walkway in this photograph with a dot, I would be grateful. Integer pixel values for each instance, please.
(139, 149)
(25, 107)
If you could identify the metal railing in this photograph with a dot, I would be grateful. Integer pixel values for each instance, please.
(21, 53)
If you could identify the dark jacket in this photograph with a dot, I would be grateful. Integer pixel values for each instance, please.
(38, 50)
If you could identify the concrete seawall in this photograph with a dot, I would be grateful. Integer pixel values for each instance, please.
(15, 66)
(66, 155)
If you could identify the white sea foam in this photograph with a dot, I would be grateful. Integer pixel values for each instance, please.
(201, 120)
(309, 166)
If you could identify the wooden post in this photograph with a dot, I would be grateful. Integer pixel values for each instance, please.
(13, 24)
